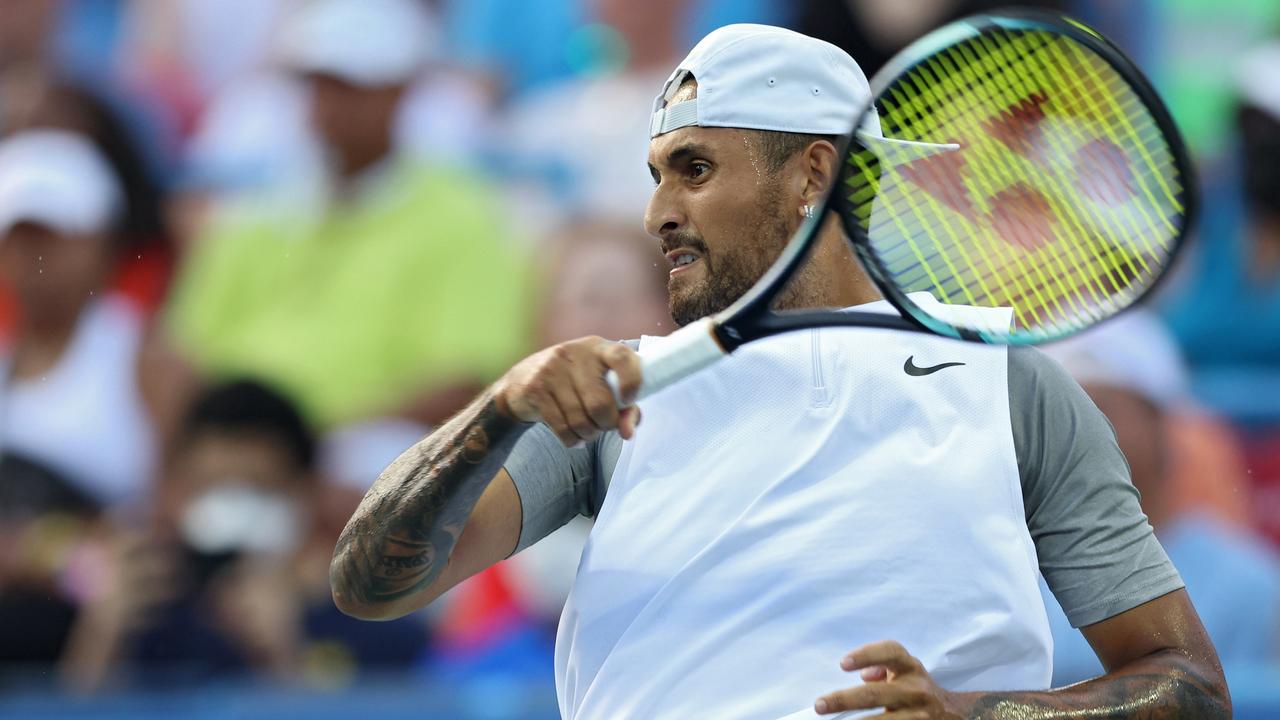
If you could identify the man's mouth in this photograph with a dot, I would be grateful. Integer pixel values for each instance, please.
(681, 259)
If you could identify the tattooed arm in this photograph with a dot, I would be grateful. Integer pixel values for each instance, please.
(400, 539)
(1159, 660)
(445, 509)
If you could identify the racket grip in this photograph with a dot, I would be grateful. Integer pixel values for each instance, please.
(673, 358)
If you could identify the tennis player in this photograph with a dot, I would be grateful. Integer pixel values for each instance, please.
(841, 508)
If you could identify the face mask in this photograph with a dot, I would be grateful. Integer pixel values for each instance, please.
(241, 518)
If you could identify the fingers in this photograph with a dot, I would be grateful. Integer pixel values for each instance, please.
(628, 421)
(887, 695)
(145, 577)
(893, 679)
(593, 392)
(886, 653)
(626, 363)
(564, 387)
(579, 426)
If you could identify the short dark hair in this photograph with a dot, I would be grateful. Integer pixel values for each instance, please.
(776, 147)
(251, 408)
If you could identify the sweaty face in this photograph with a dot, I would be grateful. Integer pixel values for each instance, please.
(721, 215)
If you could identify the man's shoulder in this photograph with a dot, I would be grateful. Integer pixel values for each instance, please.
(1035, 378)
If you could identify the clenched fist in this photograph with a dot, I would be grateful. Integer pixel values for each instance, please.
(564, 387)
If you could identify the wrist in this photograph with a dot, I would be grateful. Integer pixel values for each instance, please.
(497, 396)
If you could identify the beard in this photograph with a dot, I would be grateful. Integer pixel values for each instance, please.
(729, 274)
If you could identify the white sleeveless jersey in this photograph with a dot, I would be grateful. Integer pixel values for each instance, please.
(86, 418)
(801, 498)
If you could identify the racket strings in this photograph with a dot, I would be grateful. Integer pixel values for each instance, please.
(1081, 275)
(969, 112)
(1004, 94)
(1063, 201)
(1007, 175)
(1073, 200)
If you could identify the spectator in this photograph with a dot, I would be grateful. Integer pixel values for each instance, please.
(229, 582)
(33, 99)
(74, 383)
(1226, 311)
(602, 170)
(872, 31)
(523, 46)
(1132, 371)
(204, 46)
(603, 278)
(398, 294)
(44, 519)
(1227, 315)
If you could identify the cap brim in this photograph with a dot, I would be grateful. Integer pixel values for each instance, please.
(894, 150)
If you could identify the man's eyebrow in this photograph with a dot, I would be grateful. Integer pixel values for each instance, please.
(681, 152)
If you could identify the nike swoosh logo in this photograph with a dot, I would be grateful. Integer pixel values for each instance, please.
(912, 369)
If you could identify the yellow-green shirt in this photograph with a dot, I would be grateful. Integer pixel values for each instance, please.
(409, 286)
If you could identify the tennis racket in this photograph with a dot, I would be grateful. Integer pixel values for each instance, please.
(1032, 168)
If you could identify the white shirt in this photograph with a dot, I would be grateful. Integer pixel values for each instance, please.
(85, 418)
(801, 498)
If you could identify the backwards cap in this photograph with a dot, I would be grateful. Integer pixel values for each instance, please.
(762, 77)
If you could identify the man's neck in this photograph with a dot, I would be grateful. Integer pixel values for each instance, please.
(838, 277)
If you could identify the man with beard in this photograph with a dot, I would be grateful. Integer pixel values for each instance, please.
(810, 506)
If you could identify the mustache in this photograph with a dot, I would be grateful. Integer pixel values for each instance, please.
(684, 240)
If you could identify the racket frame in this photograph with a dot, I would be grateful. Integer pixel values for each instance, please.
(750, 318)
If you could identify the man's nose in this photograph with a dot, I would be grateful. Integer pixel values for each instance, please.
(663, 214)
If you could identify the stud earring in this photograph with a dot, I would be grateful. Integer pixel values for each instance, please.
(808, 212)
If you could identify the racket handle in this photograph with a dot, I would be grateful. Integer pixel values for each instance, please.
(676, 357)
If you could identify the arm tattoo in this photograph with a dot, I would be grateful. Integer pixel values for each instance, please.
(400, 538)
(1168, 684)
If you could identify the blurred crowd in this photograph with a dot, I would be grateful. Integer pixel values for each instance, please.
(252, 249)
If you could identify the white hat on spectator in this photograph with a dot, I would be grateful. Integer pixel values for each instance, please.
(1134, 351)
(369, 43)
(1258, 78)
(59, 180)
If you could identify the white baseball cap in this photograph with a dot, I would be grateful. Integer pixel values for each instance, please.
(369, 43)
(762, 77)
(57, 179)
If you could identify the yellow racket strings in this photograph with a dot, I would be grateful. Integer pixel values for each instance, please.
(1062, 201)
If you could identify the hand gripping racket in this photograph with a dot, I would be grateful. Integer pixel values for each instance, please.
(1032, 167)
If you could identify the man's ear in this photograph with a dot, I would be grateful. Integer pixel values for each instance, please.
(819, 169)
